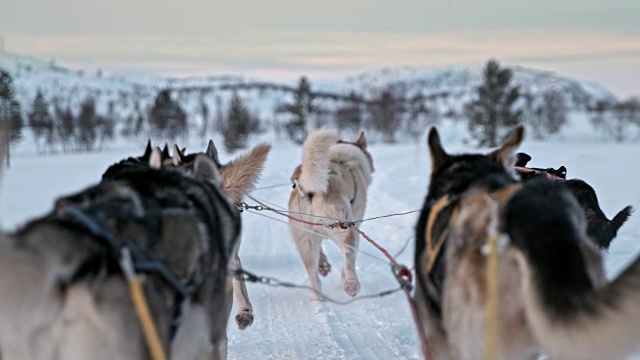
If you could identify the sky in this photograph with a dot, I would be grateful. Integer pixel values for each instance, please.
(596, 40)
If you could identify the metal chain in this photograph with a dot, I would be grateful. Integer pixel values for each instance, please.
(272, 281)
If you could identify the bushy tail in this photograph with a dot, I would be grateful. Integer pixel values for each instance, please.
(315, 160)
(620, 219)
(241, 175)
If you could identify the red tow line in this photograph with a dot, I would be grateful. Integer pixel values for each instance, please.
(401, 272)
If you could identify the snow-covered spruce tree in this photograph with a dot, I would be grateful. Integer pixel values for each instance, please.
(10, 113)
(300, 110)
(493, 112)
(238, 125)
(41, 121)
(167, 119)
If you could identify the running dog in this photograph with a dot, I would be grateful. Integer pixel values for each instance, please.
(331, 183)
(553, 297)
(599, 228)
(239, 178)
(66, 276)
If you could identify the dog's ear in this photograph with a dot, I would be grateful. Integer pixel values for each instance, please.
(178, 156)
(362, 140)
(438, 155)
(562, 172)
(155, 159)
(205, 167)
(165, 152)
(147, 151)
(522, 159)
(240, 176)
(506, 154)
(212, 152)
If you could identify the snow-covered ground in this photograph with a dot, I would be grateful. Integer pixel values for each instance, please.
(287, 324)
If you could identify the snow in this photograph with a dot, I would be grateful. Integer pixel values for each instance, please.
(290, 326)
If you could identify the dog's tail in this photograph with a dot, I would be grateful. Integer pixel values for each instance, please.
(572, 316)
(315, 160)
(241, 175)
(620, 219)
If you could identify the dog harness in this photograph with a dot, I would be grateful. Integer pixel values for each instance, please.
(501, 196)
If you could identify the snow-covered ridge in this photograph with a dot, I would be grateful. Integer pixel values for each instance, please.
(455, 84)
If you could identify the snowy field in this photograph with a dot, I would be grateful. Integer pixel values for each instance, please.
(287, 324)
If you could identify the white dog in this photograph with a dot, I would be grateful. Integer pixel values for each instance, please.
(331, 182)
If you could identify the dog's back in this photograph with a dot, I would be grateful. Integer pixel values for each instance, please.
(68, 293)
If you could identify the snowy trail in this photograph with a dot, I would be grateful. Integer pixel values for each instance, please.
(288, 325)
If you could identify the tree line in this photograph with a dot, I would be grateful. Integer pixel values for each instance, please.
(389, 113)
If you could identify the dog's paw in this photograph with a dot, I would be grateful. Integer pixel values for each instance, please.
(315, 296)
(324, 268)
(351, 287)
(244, 319)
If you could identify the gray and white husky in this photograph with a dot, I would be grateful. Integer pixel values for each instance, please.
(553, 297)
(331, 182)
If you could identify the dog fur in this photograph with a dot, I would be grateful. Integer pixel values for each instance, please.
(553, 296)
(599, 228)
(332, 182)
(65, 297)
(238, 177)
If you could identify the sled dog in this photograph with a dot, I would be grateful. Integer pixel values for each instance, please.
(331, 182)
(599, 228)
(553, 297)
(65, 293)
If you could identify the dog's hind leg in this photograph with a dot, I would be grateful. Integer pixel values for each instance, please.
(309, 246)
(348, 242)
(323, 267)
(244, 317)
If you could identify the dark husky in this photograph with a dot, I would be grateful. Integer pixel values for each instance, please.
(599, 228)
(238, 178)
(553, 297)
(64, 294)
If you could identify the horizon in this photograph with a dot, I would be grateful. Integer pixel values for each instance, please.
(282, 40)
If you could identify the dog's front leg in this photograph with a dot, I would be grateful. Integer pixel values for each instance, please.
(244, 317)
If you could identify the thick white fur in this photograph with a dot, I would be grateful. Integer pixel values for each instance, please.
(333, 184)
(315, 160)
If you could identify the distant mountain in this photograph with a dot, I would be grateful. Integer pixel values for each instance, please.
(446, 89)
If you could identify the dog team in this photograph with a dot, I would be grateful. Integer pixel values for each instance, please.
(69, 279)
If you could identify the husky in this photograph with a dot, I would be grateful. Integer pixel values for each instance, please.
(599, 228)
(238, 178)
(553, 296)
(65, 293)
(140, 161)
(331, 182)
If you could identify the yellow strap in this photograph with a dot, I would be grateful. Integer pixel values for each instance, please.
(144, 315)
(433, 250)
(491, 311)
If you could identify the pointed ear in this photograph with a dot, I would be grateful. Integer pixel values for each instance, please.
(362, 140)
(506, 154)
(522, 159)
(155, 161)
(240, 176)
(205, 167)
(147, 151)
(438, 155)
(165, 152)
(177, 155)
(212, 152)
